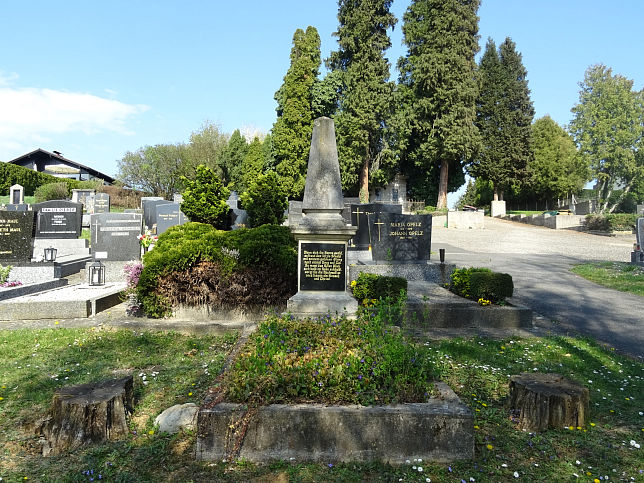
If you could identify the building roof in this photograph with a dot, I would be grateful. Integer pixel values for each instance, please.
(56, 155)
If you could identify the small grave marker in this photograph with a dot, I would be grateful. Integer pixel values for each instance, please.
(101, 203)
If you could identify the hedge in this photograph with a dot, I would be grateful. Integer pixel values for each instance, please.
(370, 286)
(29, 179)
(481, 283)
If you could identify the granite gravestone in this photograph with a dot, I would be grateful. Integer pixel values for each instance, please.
(16, 236)
(116, 234)
(402, 238)
(322, 266)
(360, 215)
(177, 198)
(150, 212)
(238, 217)
(21, 207)
(58, 219)
(101, 203)
(86, 197)
(16, 195)
(169, 214)
(145, 199)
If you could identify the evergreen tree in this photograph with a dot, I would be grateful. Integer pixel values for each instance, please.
(252, 165)
(504, 117)
(365, 94)
(437, 94)
(233, 157)
(291, 135)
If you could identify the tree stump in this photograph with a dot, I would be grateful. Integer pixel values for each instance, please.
(542, 401)
(87, 413)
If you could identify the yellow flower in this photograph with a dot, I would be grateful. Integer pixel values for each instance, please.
(151, 432)
(189, 394)
(592, 424)
(489, 446)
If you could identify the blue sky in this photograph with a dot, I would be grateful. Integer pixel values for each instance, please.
(97, 79)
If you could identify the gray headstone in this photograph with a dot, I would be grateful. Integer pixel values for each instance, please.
(145, 199)
(117, 234)
(101, 203)
(58, 219)
(17, 194)
(639, 232)
(403, 238)
(86, 197)
(20, 207)
(150, 212)
(640, 210)
(16, 229)
(169, 214)
(233, 200)
(177, 198)
(360, 214)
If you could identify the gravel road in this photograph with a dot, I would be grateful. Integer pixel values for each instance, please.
(539, 260)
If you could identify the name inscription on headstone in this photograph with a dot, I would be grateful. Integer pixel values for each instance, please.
(322, 266)
(16, 243)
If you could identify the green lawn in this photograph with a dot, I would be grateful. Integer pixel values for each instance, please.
(179, 369)
(621, 276)
(28, 199)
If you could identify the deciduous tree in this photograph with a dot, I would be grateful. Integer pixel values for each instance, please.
(608, 127)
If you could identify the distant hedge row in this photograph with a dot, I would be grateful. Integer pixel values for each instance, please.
(29, 179)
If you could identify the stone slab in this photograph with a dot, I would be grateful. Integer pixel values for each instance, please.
(565, 222)
(465, 219)
(428, 272)
(21, 290)
(441, 430)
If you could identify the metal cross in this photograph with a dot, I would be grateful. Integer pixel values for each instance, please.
(378, 223)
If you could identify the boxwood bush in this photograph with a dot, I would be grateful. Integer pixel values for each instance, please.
(196, 264)
(371, 286)
(612, 221)
(476, 283)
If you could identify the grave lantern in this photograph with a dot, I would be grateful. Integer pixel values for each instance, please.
(50, 254)
(97, 273)
(441, 253)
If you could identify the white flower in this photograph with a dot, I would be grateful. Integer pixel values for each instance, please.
(516, 474)
(428, 480)
(578, 462)
(420, 469)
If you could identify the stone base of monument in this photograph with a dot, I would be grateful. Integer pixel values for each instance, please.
(318, 303)
(426, 271)
(72, 301)
(31, 272)
(30, 288)
(440, 430)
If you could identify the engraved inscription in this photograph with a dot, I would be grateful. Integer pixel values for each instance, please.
(322, 265)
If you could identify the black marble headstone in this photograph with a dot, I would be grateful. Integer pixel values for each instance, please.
(16, 235)
(101, 203)
(360, 215)
(58, 219)
(323, 266)
(169, 214)
(639, 233)
(397, 237)
(117, 235)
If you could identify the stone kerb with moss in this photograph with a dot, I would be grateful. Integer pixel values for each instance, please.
(322, 233)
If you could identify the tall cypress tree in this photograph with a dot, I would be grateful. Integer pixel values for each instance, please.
(438, 91)
(291, 134)
(233, 158)
(504, 116)
(365, 91)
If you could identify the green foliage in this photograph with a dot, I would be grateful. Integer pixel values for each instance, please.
(253, 164)
(207, 147)
(294, 125)
(204, 198)
(556, 170)
(436, 96)
(612, 221)
(182, 247)
(331, 361)
(371, 286)
(504, 118)
(608, 127)
(365, 94)
(492, 286)
(29, 179)
(154, 169)
(233, 158)
(460, 280)
(52, 191)
(4, 273)
(265, 200)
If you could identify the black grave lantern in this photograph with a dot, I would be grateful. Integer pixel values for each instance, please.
(97, 273)
(50, 254)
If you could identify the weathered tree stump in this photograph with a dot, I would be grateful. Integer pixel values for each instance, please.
(87, 413)
(542, 401)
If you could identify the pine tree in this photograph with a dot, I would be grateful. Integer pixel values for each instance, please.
(252, 165)
(437, 94)
(504, 117)
(365, 91)
(291, 135)
(233, 158)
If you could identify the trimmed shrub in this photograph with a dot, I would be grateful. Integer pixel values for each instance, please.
(196, 264)
(492, 286)
(612, 221)
(52, 191)
(460, 280)
(371, 286)
(265, 200)
(204, 199)
(29, 179)
(121, 197)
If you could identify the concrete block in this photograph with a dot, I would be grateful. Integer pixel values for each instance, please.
(497, 209)
(440, 430)
(465, 219)
(562, 222)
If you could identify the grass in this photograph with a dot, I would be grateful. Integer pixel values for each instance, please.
(28, 199)
(621, 276)
(33, 363)
(524, 212)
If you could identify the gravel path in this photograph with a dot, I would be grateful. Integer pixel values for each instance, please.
(539, 260)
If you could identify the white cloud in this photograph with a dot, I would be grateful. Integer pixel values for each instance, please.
(29, 116)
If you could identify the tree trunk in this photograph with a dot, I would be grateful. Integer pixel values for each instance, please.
(87, 413)
(363, 181)
(441, 203)
(541, 401)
